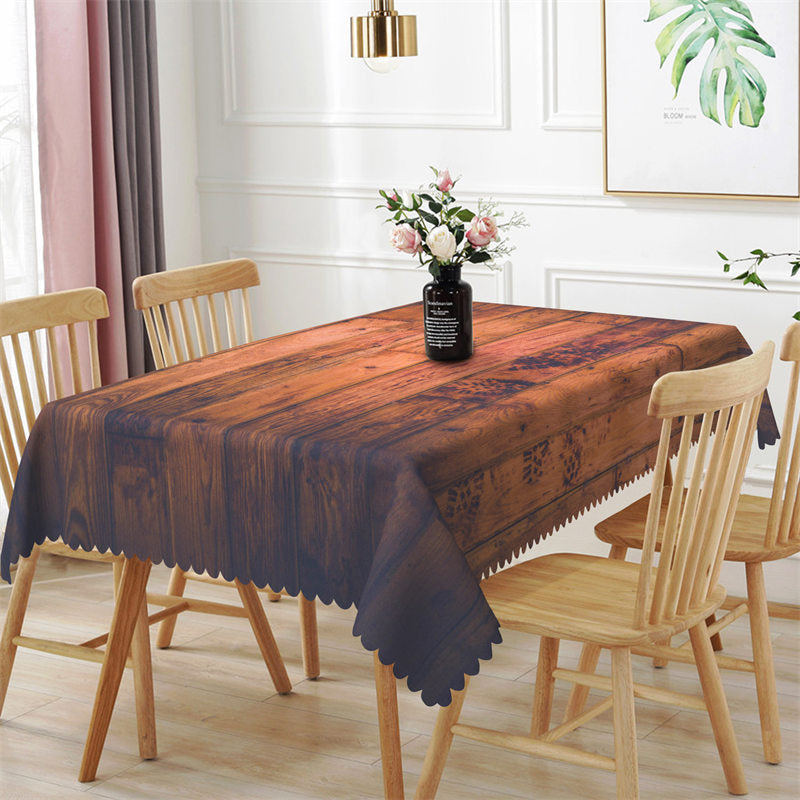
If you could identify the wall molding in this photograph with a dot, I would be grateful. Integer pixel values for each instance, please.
(555, 275)
(760, 476)
(554, 119)
(502, 279)
(588, 197)
(497, 118)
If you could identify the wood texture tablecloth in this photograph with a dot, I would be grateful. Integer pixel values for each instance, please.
(340, 462)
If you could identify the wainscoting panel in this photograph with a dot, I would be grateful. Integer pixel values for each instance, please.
(299, 290)
(571, 95)
(284, 74)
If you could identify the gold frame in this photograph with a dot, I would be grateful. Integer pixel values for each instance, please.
(691, 195)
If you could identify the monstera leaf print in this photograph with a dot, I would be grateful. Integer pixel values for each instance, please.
(729, 24)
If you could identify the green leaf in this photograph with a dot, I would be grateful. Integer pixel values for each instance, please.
(480, 256)
(796, 315)
(722, 255)
(728, 24)
(753, 278)
(435, 207)
(427, 198)
(459, 236)
(742, 276)
(757, 252)
(465, 215)
(428, 217)
(795, 267)
(660, 7)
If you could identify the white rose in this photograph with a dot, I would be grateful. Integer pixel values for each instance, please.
(441, 243)
(407, 198)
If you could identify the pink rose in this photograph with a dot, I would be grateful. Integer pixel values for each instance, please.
(482, 231)
(406, 239)
(444, 183)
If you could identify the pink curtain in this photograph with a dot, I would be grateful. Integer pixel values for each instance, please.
(76, 162)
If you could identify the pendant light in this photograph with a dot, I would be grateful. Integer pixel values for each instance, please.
(383, 37)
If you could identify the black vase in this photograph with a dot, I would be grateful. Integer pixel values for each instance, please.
(447, 311)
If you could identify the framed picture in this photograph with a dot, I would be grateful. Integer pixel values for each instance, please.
(702, 97)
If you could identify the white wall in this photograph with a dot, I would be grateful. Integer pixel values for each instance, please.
(294, 138)
(175, 36)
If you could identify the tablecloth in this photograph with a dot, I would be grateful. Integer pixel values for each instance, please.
(339, 462)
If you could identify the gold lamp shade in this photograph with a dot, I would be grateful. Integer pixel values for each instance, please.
(384, 33)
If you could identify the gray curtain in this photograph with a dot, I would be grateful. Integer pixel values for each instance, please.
(137, 156)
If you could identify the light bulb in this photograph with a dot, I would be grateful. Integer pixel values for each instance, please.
(383, 64)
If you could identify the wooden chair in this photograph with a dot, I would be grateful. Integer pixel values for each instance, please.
(185, 335)
(628, 607)
(764, 529)
(25, 382)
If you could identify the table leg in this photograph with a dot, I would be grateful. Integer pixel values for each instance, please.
(308, 628)
(263, 633)
(143, 685)
(389, 725)
(126, 613)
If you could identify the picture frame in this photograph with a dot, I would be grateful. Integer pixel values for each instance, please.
(732, 127)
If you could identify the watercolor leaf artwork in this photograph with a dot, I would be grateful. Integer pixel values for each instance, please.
(729, 24)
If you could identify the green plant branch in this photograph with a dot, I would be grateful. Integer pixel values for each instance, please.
(753, 261)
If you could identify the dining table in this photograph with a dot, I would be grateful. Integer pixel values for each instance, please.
(340, 462)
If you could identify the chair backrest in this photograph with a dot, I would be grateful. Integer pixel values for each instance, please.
(727, 400)
(25, 381)
(164, 295)
(783, 523)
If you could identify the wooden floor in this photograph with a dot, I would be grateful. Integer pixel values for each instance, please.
(224, 733)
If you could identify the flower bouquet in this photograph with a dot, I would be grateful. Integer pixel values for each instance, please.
(433, 226)
(444, 235)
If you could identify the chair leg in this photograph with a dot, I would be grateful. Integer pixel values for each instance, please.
(625, 755)
(273, 597)
(176, 588)
(762, 660)
(716, 639)
(263, 633)
(717, 705)
(389, 730)
(545, 684)
(18, 603)
(118, 566)
(308, 630)
(578, 695)
(618, 551)
(143, 685)
(127, 613)
(439, 748)
(659, 663)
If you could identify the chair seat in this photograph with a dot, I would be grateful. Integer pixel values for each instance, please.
(746, 541)
(582, 598)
